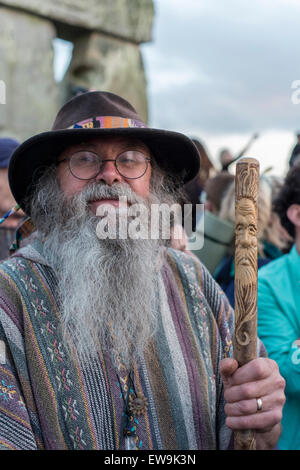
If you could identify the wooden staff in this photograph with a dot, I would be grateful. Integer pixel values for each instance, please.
(245, 283)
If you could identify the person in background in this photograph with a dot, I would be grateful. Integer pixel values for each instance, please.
(225, 158)
(279, 308)
(295, 155)
(194, 188)
(276, 240)
(8, 227)
(215, 189)
(217, 233)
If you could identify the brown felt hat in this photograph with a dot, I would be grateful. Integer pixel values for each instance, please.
(95, 114)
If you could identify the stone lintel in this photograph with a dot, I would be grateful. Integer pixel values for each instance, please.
(130, 20)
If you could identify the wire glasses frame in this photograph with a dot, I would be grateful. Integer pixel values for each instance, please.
(99, 163)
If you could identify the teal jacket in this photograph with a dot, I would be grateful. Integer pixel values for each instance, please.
(279, 329)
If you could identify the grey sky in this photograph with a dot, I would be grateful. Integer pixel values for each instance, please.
(224, 66)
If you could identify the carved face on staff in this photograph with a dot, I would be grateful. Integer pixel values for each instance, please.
(246, 242)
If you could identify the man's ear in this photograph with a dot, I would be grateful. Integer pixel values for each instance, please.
(293, 214)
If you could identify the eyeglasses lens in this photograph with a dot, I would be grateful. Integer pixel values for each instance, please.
(86, 165)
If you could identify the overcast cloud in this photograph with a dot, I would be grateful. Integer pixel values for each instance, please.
(224, 66)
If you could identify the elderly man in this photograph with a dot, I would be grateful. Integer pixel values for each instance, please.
(278, 308)
(115, 343)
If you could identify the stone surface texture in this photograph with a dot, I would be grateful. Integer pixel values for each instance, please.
(26, 68)
(106, 56)
(108, 64)
(129, 19)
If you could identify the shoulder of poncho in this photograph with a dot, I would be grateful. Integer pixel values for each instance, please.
(190, 266)
(180, 258)
(11, 301)
(10, 265)
(192, 272)
(9, 268)
(14, 270)
(22, 281)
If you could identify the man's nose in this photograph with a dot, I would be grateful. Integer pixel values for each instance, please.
(109, 173)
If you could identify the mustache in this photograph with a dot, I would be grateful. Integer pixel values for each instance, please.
(96, 191)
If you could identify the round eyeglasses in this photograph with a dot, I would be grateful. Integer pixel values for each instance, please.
(86, 165)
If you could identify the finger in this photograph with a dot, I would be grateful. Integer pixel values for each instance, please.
(257, 369)
(242, 408)
(259, 388)
(258, 421)
(250, 390)
(248, 407)
(228, 367)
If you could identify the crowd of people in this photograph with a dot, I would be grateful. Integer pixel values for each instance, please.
(127, 343)
(279, 257)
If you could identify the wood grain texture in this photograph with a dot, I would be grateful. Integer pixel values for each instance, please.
(245, 337)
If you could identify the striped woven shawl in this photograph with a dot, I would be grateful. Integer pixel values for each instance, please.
(49, 401)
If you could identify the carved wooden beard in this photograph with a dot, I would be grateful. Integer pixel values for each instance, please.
(246, 260)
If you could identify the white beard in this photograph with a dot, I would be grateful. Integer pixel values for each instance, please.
(106, 288)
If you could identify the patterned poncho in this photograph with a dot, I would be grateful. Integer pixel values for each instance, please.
(49, 400)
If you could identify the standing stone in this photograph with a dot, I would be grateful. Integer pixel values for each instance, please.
(106, 35)
(103, 63)
(26, 68)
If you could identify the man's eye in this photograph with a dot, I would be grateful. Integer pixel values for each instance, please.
(85, 158)
(132, 157)
(128, 160)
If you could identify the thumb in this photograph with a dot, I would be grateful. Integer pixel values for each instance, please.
(227, 367)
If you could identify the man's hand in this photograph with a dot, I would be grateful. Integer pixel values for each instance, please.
(259, 378)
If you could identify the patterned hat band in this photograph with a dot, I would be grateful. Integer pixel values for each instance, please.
(107, 122)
